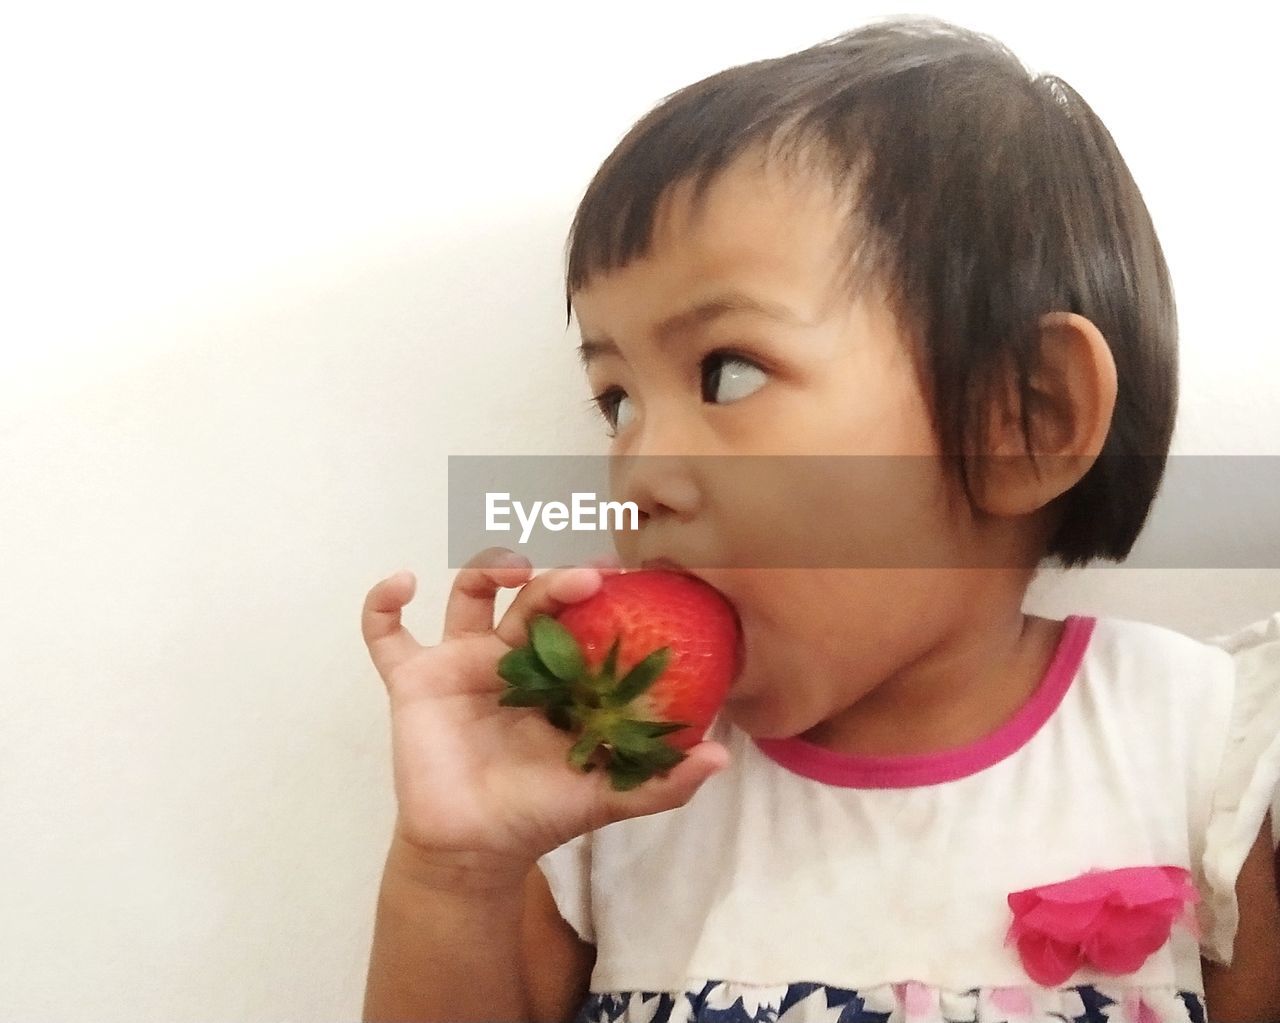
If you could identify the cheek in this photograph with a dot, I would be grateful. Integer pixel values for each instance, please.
(816, 642)
(872, 402)
(783, 693)
(847, 511)
(795, 639)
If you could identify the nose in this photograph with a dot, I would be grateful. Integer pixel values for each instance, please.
(658, 469)
(662, 486)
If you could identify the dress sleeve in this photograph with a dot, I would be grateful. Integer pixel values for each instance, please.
(567, 869)
(1248, 782)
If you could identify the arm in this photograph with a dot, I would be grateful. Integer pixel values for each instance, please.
(443, 952)
(1248, 991)
(557, 963)
(506, 954)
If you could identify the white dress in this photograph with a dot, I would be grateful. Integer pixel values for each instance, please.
(805, 886)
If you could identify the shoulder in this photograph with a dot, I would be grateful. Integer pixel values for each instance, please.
(1141, 664)
(1157, 707)
(1126, 644)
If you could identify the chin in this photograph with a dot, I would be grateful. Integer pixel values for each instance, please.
(760, 721)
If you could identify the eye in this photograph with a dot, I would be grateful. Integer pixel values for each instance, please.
(727, 376)
(609, 404)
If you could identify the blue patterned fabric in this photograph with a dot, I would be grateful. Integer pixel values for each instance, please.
(727, 1002)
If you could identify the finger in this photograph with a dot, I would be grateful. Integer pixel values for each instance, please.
(548, 594)
(390, 643)
(469, 610)
(664, 791)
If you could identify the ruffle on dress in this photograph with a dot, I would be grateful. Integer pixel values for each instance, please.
(1248, 783)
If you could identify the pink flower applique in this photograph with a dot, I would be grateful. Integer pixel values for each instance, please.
(1111, 920)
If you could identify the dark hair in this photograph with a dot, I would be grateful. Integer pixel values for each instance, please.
(978, 195)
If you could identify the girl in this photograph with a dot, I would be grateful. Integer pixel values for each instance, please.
(919, 803)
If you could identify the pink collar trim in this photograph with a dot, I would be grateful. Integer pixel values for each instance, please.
(911, 770)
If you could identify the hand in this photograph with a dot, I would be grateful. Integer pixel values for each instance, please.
(483, 789)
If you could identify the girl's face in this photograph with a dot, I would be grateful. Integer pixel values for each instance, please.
(733, 338)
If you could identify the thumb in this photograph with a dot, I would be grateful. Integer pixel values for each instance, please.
(666, 791)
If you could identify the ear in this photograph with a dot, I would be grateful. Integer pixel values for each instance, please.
(1070, 399)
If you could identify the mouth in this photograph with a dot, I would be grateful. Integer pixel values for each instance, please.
(667, 565)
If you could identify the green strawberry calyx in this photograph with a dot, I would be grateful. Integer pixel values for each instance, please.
(551, 673)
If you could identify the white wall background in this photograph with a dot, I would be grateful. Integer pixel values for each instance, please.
(264, 267)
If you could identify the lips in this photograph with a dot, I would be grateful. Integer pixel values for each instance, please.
(666, 565)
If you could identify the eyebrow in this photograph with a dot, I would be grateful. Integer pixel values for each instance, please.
(698, 316)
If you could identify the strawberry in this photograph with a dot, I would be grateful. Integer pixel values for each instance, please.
(639, 670)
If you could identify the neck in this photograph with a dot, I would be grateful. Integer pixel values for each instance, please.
(972, 679)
